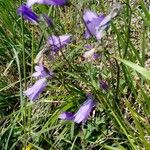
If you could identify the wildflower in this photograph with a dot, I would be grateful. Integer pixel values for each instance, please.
(58, 42)
(92, 20)
(28, 14)
(33, 92)
(47, 2)
(54, 43)
(104, 85)
(82, 114)
(97, 24)
(84, 111)
(42, 71)
(48, 20)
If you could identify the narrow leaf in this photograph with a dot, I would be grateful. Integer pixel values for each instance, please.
(143, 71)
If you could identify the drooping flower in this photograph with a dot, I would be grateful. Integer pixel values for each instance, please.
(42, 72)
(54, 44)
(92, 20)
(48, 20)
(28, 14)
(34, 91)
(47, 2)
(58, 42)
(82, 114)
(97, 24)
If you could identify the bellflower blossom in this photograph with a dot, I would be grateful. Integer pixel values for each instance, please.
(82, 114)
(97, 24)
(92, 20)
(42, 72)
(28, 14)
(58, 42)
(47, 2)
(33, 92)
(54, 43)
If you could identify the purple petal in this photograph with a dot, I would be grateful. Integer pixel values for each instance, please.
(39, 68)
(36, 74)
(58, 42)
(47, 2)
(65, 39)
(33, 92)
(92, 26)
(87, 35)
(42, 72)
(66, 116)
(88, 16)
(88, 47)
(27, 13)
(92, 21)
(96, 56)
(84, 111)
(97, 24)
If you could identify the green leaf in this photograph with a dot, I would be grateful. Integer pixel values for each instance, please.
(144, 72)
(113, 148)
(145, 10)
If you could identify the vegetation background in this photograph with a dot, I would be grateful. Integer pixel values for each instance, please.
(121, 120)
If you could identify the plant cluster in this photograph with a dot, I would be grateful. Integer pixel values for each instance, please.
(82, 76)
